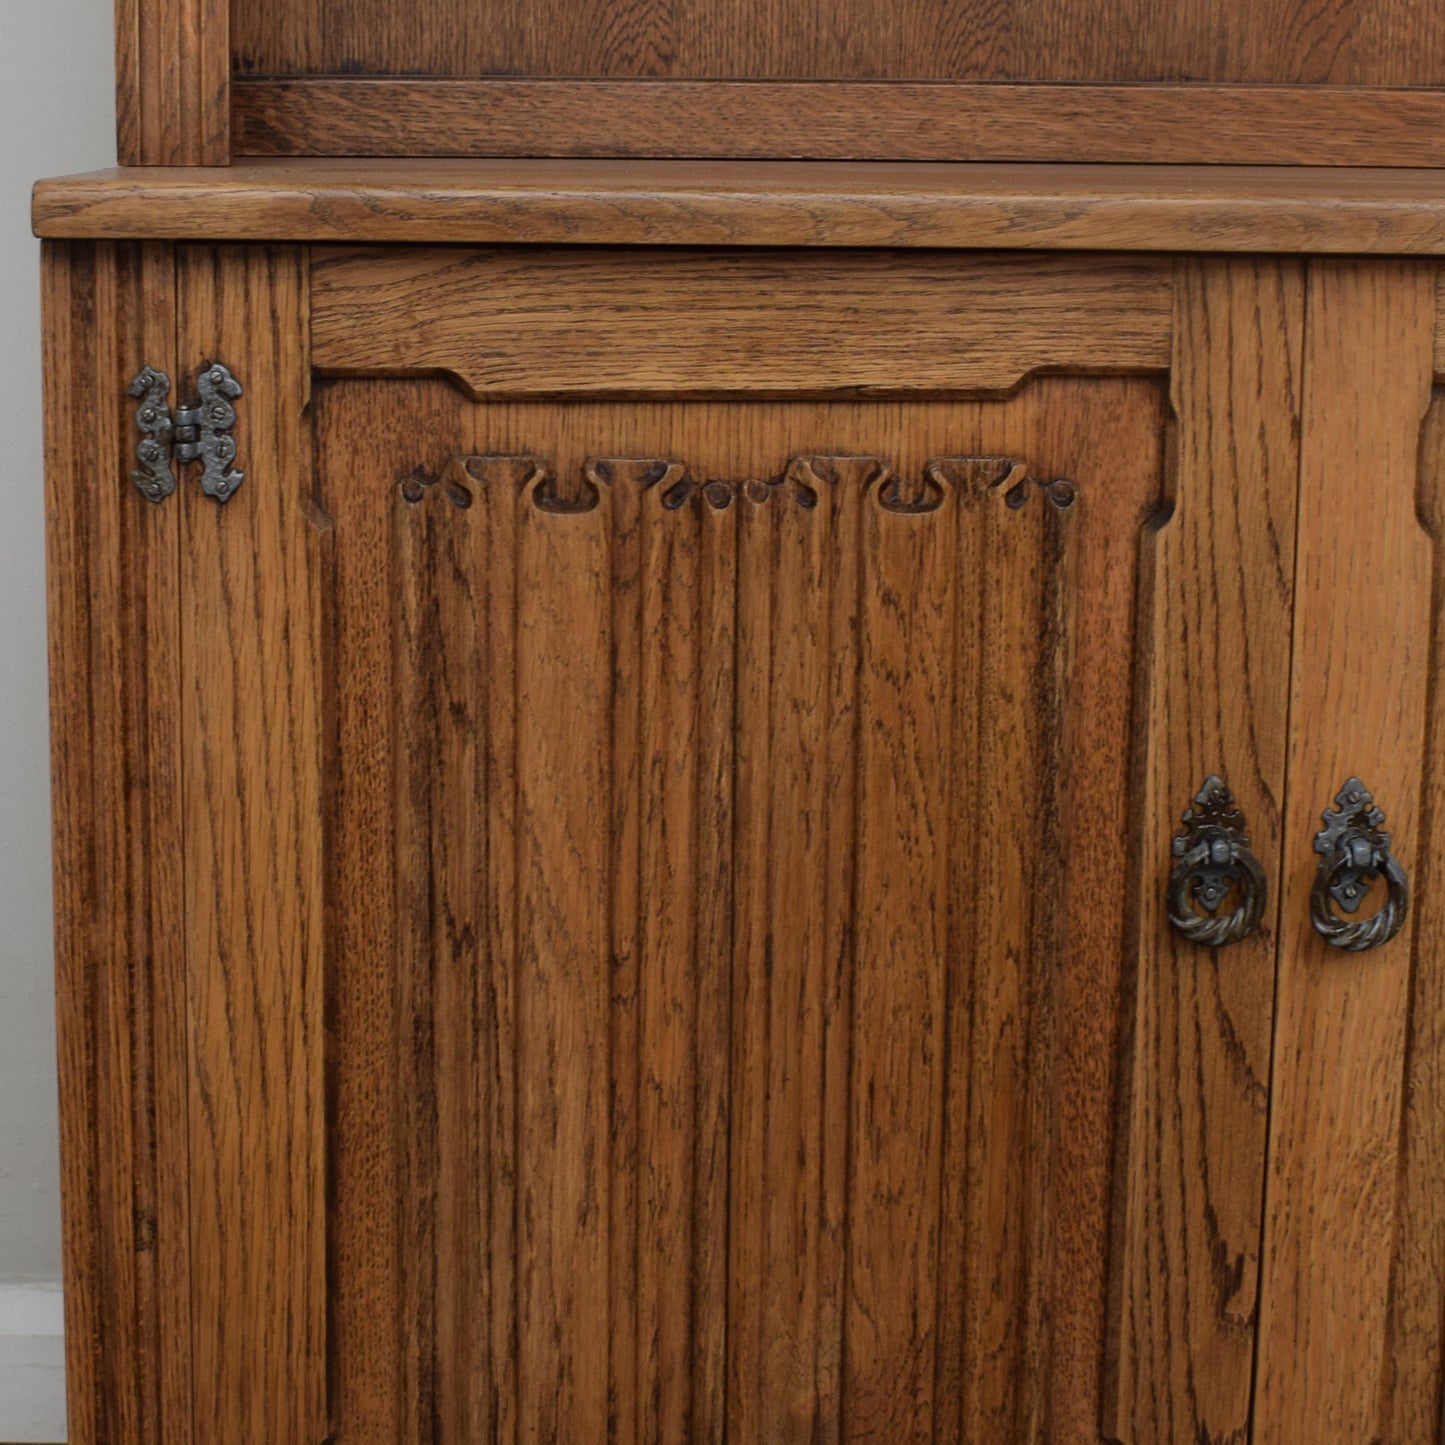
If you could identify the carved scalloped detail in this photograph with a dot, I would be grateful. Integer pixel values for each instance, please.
(418, 485)
(1008, 477)
(799, 482)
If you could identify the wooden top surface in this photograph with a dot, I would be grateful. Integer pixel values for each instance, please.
(761, 203)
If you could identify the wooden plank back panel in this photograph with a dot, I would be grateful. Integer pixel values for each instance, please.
(1360, 689)
(1389, 42)
(1164, 124)
(713, 1155)
(121, 987)
(250, 762)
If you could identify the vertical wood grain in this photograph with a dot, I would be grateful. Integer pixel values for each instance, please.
(1360, 674)
(713, 762)
(682, 649)
(364, 715)
(699, 738)
(563, 680)
(626, 482)
(798, 607)
(1414, 1384)
(905, 699)
(1016, 546)
(1220, 575)
(494, 530)
(67, 291)
(251, 791)
(749, 1346)
(173, 74)
(496, 1220)
(423, 682)
(115, 694)
(448, 1038)
(668, 802)
(1109, 441)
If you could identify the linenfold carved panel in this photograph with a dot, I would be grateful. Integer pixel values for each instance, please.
(696, 808)
(730, 911)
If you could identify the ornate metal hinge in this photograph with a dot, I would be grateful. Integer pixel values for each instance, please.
(201, 432)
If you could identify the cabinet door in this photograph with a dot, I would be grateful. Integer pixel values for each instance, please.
(673, 759)
(1353, 1304)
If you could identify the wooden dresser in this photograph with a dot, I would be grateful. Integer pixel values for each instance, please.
(746, 741)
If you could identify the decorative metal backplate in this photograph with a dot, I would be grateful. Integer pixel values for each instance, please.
(1355, 851)
(156, 480)
(1214, 857)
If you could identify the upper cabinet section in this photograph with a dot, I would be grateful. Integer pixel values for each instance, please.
(1277, 82)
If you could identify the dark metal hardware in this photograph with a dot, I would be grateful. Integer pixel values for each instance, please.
(191, 433)
(1214, 856)
(153, 416)
(1355, 852)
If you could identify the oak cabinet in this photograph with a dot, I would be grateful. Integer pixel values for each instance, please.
(614, 886)
(745, 740)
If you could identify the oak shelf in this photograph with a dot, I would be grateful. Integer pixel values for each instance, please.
(1275, 209)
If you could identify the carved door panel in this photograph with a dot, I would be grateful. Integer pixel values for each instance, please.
(704, 876)
(747, 810)
(676, 757)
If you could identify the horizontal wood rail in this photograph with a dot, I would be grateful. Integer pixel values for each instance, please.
(816, 323)
(841, 120)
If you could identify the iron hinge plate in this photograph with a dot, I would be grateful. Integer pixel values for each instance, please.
(200, 432)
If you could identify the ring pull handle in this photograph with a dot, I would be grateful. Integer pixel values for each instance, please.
(1355, 853)
(1214, 857)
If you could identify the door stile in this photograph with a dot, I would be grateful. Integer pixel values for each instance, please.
(115, 715)
(1336, 1217)
(1414, 1382)
(251, 790)
(1218, 582)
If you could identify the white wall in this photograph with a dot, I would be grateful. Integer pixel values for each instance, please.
(56, 115)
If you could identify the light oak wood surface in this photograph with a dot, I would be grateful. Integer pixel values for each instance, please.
(172, 82)
(614, 891)
(1183, 81)
(505, 322)
(1219, 588)
(1360, 689)
(633, 909)
(779, 203)
(249, 762)
(794, 960)
(115, 671)
(1412, 1404)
